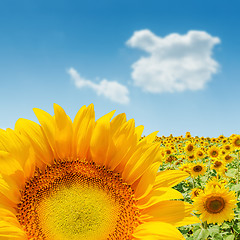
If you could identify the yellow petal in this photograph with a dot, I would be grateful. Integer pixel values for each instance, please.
(151, 137)
(169, 178)
(172, 212)
(63, 132)
(48, 126)
(146, 182)
(139, 163)
(83, 125)
(35, 136)
(157, 195)
(138, 131)
(117, 122)
(125, 141)
(9, 231)
(157, 231)
(100, 140)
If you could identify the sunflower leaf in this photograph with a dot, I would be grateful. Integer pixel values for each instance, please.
(201, 234)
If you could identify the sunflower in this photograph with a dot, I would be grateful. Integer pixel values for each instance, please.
(236, 141)
(191, 157)
(218, 166)
(215, 204)
(186, 167)
(228, 158)
(86, 179)
(189, 148)
(199, 153)
(198, 169)
(195, 192)
(228, 148)
(215, 182)
(213, 152)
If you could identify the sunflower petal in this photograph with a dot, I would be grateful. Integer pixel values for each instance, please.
(157, 231)
(100, 140)
(36, 137)
(157, 195)
(169, 178)
(139, 163)
(83, 125)
(146, 182)
(173, 212)
(9, 231)
(63, 132)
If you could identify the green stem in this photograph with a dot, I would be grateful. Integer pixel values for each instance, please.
(193, 182)
(238, 167)
(205, 225)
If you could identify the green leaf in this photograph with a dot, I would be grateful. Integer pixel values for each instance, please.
(231, 172)
(201, 234)
(214, 229)
(236, 187)
(229, 237)
(225, 226)
(217, 236)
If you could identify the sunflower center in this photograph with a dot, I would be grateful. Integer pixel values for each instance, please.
(217, 164)
(77, 200)
(190, 148)
(78, 213)
(215, 204)
(214, 153)
(197, 168)
(237, 142)
(227, 157)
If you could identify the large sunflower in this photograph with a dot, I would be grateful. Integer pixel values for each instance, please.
(86, 179)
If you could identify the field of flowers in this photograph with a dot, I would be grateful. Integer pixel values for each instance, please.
(213, 184)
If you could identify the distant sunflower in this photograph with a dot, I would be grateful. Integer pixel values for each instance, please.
(86, 179)
(200, 154)
(198, 169)
(236, 141)
(215, 205)
(195, 192)
(213, 151)
(228, 148)
(186, 167)
(228, 158)
(215, 182)
(218, 165)
(189, 148)
(191, 157)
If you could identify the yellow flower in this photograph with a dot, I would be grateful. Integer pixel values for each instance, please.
(215, 205)
(213, 151)
(186, 167)
(218, 165)
(198, 169)
(215, 182)
(228, 158)
(236, 141)
(86, 179)
(227, 148)
(199, 153)
(195, 192)
(189, 148)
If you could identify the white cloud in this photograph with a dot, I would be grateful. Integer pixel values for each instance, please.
(112, 90)
(176, 62)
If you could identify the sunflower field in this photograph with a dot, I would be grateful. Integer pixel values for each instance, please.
(101, 180)
(213, 185)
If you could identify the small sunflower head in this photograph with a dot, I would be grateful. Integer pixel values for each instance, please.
(236, 141)
(215, 205)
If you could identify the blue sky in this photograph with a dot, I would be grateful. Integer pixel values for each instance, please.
(185, 82)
